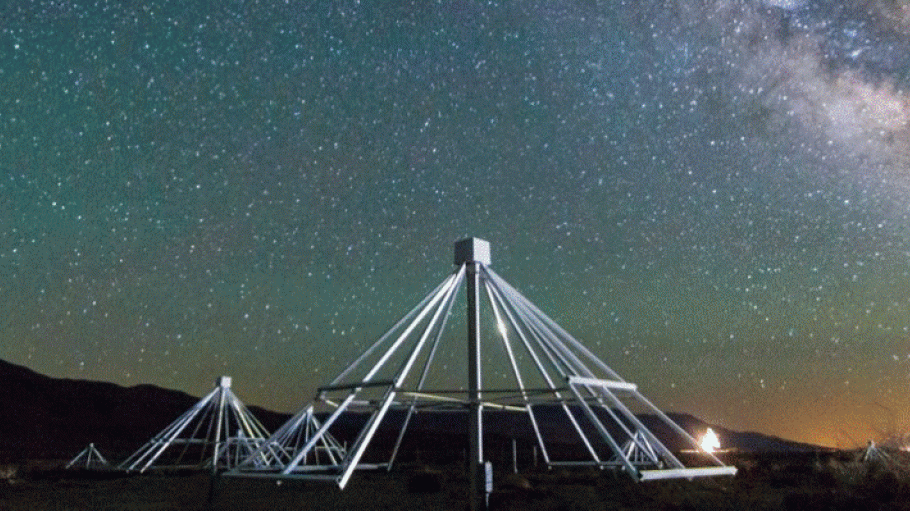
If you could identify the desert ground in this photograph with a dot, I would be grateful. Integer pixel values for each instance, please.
(803, 482)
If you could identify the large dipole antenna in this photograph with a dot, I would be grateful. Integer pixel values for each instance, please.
(579, 410)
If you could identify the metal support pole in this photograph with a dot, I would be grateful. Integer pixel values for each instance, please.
(474, 253)
(475, 418)
(514, 457)
(219, 424)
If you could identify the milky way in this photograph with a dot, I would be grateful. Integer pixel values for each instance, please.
(712, 195)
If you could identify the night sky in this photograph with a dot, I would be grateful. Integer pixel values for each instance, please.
(712, 194)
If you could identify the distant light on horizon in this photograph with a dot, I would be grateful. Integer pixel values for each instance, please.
(709, 441)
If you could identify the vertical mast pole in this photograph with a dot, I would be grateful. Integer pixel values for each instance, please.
(223, 383)
(472, 252)
(475, 418)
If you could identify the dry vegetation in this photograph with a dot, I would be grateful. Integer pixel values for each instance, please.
(825, 481)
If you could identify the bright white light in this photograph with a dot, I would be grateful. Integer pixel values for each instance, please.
(502, 328)
(709, 441)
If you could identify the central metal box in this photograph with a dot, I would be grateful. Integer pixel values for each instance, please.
(472, 250)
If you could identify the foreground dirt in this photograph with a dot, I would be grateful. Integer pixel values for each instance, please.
(790, 483)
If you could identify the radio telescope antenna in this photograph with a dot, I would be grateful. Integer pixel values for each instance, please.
(217, 432)
(543, 376)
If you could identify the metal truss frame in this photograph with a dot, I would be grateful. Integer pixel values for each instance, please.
(600, 409)
(216, 433)
(89, 458)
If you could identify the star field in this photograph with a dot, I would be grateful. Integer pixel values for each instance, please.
(711, 195)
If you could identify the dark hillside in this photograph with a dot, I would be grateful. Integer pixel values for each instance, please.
(53, 418)
(47, 417)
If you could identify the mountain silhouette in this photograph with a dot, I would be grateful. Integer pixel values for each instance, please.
(44, 417)
(55, 418)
